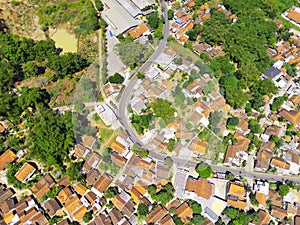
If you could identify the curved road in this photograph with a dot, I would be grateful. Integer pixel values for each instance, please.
(123, 118)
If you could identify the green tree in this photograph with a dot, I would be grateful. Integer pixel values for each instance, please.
(87, 217)
(283, 190)
(204, 170)
(153, 20)
(163, 109)
(198, 219)
(111, 192)
(142, 211)
(116, 78)
(168, 162)
(170, 14)
(73, 172)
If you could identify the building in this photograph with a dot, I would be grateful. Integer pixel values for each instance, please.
(201, 187)
(273, 72)
(101, 184)
(117, 17)
(294, 14)
(25, 172)
(106, 113)
(198, 146)
(7, 157)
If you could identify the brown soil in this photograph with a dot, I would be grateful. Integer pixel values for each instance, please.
(21, 19)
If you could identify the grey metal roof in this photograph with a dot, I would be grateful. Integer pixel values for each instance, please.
(272, 72)
(130, 7)
(117, 17)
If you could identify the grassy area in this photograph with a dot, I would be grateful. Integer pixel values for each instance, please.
(287, 23)
(182, 51)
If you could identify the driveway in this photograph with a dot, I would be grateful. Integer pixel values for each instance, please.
(113, 60)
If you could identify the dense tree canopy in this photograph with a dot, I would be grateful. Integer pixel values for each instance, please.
(51, 137)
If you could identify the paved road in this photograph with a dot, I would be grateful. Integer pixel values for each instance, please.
(122, 109)
(122, 115)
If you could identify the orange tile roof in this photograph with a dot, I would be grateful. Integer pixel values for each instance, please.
(295, 99)
(25, 171)
(232, 16)
(117, 146)
(236, 190)
(205, 6)
(264, 218)
(7, 157)
(278, 162)
(261, 198)
(184, 212)
(80, 189)
(64, 194)
(293, 15)
(8, 217)
(72, 203)
(237, 204)
(141, 187)
(201, 187)
(88, 141)
(2, 129)
(80, 213)
(138, 31)
(191, 4)
(102, 184)
(277, 57)
(156, 215)
(206, 16)
(118, 202)
(135, 194)
(199, 145)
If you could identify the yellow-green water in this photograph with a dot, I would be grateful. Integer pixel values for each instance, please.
(65, 40)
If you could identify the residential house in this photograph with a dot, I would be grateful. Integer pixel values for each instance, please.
(201, 187)
(280, 164)
(262, 192)
(7, 157)
(106, 114)
(294, 14)
(92, 176)
(236, 196)
(263, 159)
(264, 218)
(278, 212)
(52, 206)
(236, 153)
(111, 88)
(43, 186)
(25, 172)
(141, 29)
(275, 198)
(184, 212)
(117, 159)
(162, 172)
(115, 216)
(102, 184)
(293, 116)
(156, 215)
(273, 72)
(272, 130)
(81, 151)
(88, 141)
(91, 162)
(198, 146)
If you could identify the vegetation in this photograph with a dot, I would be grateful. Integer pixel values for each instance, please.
(141, 122)
(283, 190)
(87, 217)
(116, 78)
(162, 109)
(81, 14)
(73, 172)
(204, 170)
(141, 152)
(278, 102)
(133, 53)
(171, 145)
(106, 163)
(142, 211)
(165, 195)
(12, 169)
(51, 137)
(241, 217)
(111, 192)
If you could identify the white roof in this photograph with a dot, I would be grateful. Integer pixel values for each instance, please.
(143, 3)
(117, 17)
(133, 10)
